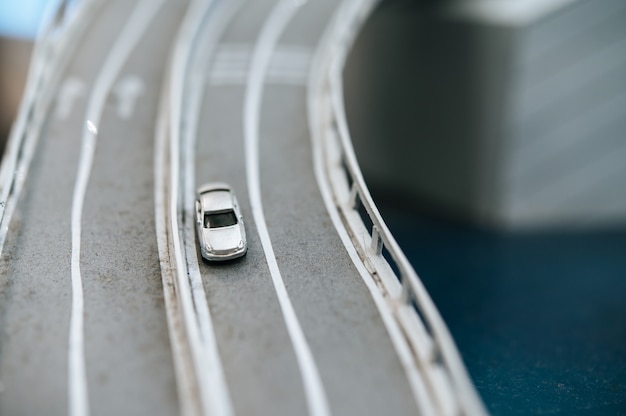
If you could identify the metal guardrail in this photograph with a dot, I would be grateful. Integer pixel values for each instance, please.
(449, 388)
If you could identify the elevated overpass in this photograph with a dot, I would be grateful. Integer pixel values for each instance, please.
(105, 304)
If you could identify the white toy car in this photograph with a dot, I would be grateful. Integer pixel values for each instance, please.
(219, 223)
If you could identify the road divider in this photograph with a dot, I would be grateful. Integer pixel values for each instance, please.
(440, 382)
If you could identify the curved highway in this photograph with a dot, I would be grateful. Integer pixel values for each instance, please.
(106, 306)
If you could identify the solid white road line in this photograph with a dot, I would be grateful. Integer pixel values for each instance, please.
(209, 374)
(273, 27)
(125, 43)
(213, 28)
(191, 24)
(186, 386)
(318, 127)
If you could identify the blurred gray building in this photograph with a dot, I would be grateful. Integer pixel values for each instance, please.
(505, 112)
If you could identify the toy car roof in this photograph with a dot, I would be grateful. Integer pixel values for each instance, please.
(215, 197)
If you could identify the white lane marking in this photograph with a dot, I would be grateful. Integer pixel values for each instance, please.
(125, 43)
(230, 66)
(71, 90)
(127, 93)
(273, 27)
(91, 127)
(289, 65)
(186, 386)
(181, 52)
(216, 381)
(213, 391)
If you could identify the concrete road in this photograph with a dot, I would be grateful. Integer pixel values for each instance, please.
(360, 371)
(291, 328)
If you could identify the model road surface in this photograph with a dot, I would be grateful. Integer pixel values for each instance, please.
(101, 314)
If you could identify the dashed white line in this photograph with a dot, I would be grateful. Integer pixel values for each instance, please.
(127, 93)
(273, 27)
(125, 43)
(289, 65)
(71, 89)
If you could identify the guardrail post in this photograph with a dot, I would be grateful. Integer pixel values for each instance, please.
(354, 195)
(377, 241)
(405, 296)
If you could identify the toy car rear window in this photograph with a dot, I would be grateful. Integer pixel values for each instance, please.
(223, 219)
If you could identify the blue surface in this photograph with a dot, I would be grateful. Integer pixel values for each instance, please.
(540, 318)
(21, 18)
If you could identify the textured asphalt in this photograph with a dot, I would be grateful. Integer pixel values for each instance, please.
(357, 362)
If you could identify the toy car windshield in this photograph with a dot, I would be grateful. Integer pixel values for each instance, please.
(218, 220)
